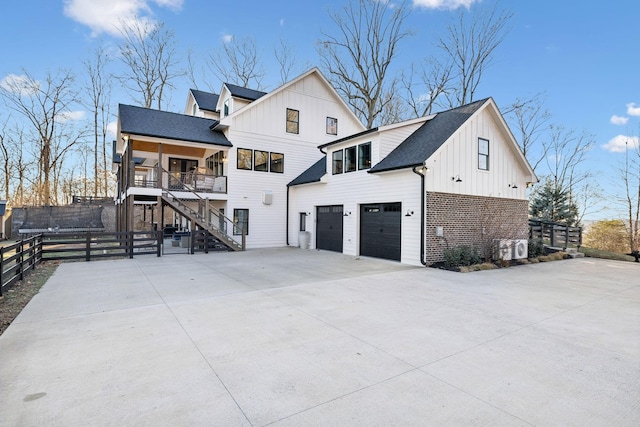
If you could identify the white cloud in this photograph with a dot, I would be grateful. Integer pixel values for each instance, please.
(444, 4)
(619, 120)
(69, 116)
(227, 38)
(108, 16)
(22, 85)
(632, 110)
(622, 143)
(112, 129)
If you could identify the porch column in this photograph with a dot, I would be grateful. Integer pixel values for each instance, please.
(159, 173)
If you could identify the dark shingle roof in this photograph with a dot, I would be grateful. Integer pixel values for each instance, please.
(243, 92)
(313, 174)
(163, 124)
(346, 138)
(421, 144)
(205, 100)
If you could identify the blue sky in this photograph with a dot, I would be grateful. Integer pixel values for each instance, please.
(582, 55)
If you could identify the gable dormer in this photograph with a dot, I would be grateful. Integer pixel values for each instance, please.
(202, 104)
(233, 98)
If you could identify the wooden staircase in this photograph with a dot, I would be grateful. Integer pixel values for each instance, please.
(205, 217)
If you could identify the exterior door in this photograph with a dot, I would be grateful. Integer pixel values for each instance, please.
(380, 230)
(329, 228)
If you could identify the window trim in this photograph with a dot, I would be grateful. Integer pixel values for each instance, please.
(485, 156)
(236, 220)
(332, 126)
(334, 170)
(244, 157)
(303, 221)
(266, 161)
(296, 121)
(360, 163)
(354, 159)
(271, 162)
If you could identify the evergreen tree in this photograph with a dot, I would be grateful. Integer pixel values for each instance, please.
(553, 203)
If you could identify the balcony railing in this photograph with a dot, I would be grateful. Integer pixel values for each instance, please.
(181, 181)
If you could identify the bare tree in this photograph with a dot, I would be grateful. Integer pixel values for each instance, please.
(238, 62)
(286, 59)
(470, 43)
(152, 64)
(98, 90)
(47, 108)
(6, 160)
(531, 121)
(358, 56)
(566, 154)
(434, 80)
(630, 175)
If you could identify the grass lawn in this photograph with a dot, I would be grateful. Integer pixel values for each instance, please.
(597, 253)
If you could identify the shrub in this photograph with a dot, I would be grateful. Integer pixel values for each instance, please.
(536, 248)
(461, 256)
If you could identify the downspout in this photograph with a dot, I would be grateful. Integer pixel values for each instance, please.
(287, 219)
(422, 213)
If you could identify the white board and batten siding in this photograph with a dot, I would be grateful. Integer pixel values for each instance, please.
(262, 126)
(352, 190)
(458, 157)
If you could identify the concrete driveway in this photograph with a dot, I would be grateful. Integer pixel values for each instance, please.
(291, 337)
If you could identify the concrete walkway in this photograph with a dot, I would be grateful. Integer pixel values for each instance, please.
(289, 337)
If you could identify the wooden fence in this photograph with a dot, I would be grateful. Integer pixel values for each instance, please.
(555, 234)
(18, 259)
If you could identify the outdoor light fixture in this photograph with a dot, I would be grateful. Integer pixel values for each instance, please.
(409, 213)
(513, 185)
(456, 178)
(347, 213)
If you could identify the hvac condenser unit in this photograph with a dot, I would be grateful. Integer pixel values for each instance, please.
(520, 249)
(502, 249)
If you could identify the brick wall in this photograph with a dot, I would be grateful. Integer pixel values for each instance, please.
(473, 221)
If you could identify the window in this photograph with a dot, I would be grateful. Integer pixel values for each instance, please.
(293, 121)
(483, 154)
(303, 221)
(245, 158)
(276, 164)
(350, 159)
(194, 109)
(226, 108)
(216, 163)
(337, 162)
(260, 161)
(364, 156)
(240, 221)
(332, 126)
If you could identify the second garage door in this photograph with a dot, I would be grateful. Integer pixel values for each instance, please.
(380, 227)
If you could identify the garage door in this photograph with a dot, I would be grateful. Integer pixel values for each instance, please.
(329, 228)
(380, 226)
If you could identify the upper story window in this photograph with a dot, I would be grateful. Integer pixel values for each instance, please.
(364, 156)
(336, 162)
(276, 163)
(226, 108)
(261, 161)
(245, 158)
(293, 121)
(194, 109)
(350, 159)
(483, 154)
(332, 126)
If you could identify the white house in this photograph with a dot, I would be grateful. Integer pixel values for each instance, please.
(296, 167)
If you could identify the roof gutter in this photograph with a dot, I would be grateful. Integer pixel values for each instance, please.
(416, 170)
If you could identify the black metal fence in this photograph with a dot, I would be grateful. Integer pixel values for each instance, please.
(555, 234)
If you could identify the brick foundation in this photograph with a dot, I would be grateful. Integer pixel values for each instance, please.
(473, 221)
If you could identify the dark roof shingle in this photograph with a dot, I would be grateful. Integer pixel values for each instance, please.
(163, 124)
(245, 93)
(313, 174)
(422, 143)
(205, 100)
